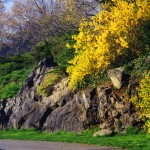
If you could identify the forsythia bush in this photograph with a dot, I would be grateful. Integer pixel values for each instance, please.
(113, 32)
(142, 101)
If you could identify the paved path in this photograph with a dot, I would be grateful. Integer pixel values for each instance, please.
(39, 145)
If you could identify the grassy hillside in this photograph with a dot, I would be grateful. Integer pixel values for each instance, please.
(13, 71)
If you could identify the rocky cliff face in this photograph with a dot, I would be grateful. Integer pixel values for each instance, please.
(64, 109)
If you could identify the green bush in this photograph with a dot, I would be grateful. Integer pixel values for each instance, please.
(63, 57)
(136, 68)
(3, 60)
(42, 50)
(55, 48)
(59, 51)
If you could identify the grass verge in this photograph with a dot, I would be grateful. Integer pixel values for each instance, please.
(140, 141)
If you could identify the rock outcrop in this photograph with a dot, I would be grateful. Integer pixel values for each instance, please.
(116, 76)
(64, 109)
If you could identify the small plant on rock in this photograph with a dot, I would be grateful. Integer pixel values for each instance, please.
(50, 78)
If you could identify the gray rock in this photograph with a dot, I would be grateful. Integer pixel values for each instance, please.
(103, 132)
(64, 109)
(114, 111)
(70, 117)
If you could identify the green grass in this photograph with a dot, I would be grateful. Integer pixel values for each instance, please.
(11, 83)
(140, 141)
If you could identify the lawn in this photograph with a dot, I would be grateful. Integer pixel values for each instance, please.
(139, 141)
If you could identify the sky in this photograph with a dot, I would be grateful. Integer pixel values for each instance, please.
(8, 5)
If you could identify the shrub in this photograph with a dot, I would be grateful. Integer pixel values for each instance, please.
(137, 67)
(54, 47)
(42, 50)
(141, 101)
(114, 34)
(3, 60)
(59, 51)
(63, 57)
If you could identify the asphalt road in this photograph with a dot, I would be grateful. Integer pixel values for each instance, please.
(39, 145)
